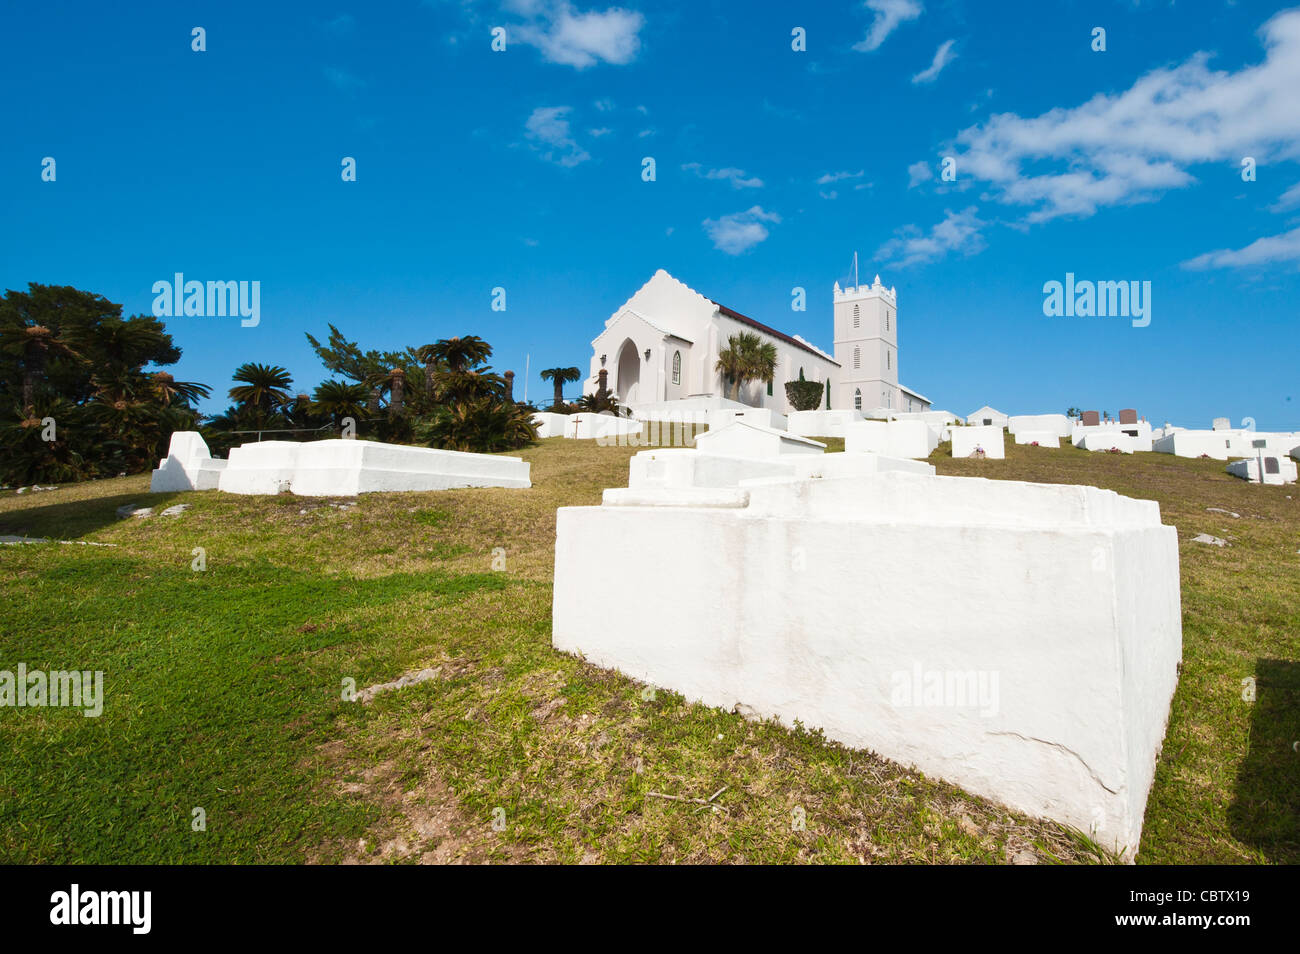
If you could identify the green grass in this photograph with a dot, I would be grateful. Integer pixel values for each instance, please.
(224, 691)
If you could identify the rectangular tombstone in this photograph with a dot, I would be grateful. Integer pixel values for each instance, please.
(986, 437)
(1038, 675)
(1058, 424)
(1091, 418)
(1128, 415)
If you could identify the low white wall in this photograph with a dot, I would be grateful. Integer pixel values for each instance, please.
(550, 424)
(914, 438)
(965, 440)
(820, 423)
(1039, 675)
(599, 426)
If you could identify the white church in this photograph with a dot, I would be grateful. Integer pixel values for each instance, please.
(662, 345)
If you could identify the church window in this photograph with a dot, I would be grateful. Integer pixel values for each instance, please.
(769, 388)
(857, 357)
(856, 322)
(677, 367)
(886, 321)
(887, 360)
(857, 399)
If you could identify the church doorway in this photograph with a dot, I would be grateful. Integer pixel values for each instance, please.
(629, 372)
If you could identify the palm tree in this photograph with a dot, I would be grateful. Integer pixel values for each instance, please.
(35, 344)
(560, 377)
(264, 387)
(458, 354)
(392, 381)
(747, 357)
(166, 388)
(338, 399)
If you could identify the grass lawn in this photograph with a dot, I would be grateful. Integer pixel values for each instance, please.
(224, 692)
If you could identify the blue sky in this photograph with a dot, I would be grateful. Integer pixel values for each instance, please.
(523, 169)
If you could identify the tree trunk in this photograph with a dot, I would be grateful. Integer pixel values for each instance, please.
(396, 395)
(559, 392)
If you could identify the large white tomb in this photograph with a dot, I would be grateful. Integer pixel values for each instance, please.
(189, 465)
(752, 440)
(986, 437)
(1038, 675)
(820, 423)
(346, 467)
(1058, 424)
(1278, 469)
(683, 468)
(912, 438)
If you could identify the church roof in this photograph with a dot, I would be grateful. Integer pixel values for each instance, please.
(779, 335)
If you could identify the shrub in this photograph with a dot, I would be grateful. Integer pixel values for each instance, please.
(804, 395)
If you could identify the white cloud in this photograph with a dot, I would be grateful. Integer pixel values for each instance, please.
(958, 232)
(889, 14)
(942, 57)
(548, 128)
(1265, 251)
(565, 35)
(917, 173)
(344, 81)
(601, 131)
(340, 25)
(646, 132)
(739, 231)
(830, 177)
(1288, 199)
(604, 105)
(1132, 146)
(736, 177)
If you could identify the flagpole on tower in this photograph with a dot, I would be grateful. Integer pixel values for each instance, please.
(855, 269)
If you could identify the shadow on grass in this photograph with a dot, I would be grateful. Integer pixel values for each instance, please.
(1266, 811)
(77, 518)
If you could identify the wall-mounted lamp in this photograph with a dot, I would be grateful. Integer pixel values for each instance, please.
(647, 354)
(602, 360)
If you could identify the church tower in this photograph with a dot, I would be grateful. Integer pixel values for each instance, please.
(866, 347)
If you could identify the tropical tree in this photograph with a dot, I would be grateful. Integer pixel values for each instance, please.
(34, 345)
(602, 403)
(482, 426)
(339, 399)
(747, 357)
(70, 355)
(459, 354)
(263, 389)
(560, 377)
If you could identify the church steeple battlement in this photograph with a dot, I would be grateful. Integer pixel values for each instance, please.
(875, 290)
